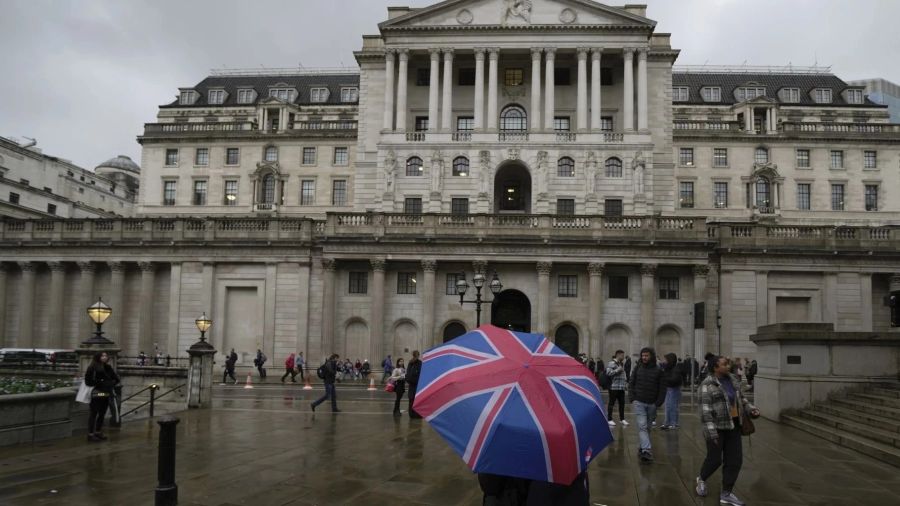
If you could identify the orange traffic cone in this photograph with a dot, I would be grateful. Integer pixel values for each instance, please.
(307, 386)
(372, 384)
(249, 380)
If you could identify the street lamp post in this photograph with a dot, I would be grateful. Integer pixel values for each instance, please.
(99, 312)
(203, 324)
(462, 286)
(201, 364)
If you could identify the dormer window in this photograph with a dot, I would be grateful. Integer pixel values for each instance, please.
(216, 97)
(246, 96)
(711, 94)
(187, 97)
(349, 94)
(749, 93)
(680, 93)
(284, 94)
(822, 95)
(318, 95)
(854, 96)
(790, 95)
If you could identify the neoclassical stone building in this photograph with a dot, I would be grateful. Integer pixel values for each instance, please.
(550, 142)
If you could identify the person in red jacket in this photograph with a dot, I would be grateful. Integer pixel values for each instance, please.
(289, 369)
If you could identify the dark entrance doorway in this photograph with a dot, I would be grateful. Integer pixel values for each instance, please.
(567, 339)
(453, 330)
(512, 189)
(511, 310)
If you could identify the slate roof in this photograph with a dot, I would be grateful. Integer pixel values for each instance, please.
(303, 84)
(773, 82)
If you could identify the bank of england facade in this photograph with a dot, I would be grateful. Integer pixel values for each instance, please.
(550, 142)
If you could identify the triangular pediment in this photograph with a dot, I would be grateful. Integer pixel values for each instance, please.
(516, 13)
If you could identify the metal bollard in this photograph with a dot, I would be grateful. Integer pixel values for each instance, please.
(152, 398)
(166, 490)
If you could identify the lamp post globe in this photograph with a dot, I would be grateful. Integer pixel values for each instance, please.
(495, 285)
(99, 312)
(203, 324)
(478, 280)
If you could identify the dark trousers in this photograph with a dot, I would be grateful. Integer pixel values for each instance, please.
(616, 396)
(729, 451)
(99, 405)
(227, 375)
(262, 371)
(302, 378)
(398, 392)
(330, 393)
(289, 371)
(412, 399)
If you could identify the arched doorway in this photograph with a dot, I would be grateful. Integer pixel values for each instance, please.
(618, 337)
(453, 330)
(511, 309)
(566, 339)
(668, 340)
(406, 338)
(356, 340)
(512, 189)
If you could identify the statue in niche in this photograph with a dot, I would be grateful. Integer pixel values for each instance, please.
(590, 172)
(390, 168)
(437, 167)
(516, 9)
(485, 171)
(638, 165)
(542, 172)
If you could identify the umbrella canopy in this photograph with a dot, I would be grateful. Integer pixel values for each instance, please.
(514, 404)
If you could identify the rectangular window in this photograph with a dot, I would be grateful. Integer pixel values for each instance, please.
(232, 156)
(412, 205)
(720, 195)
(186, 98)
(51, 208)
(854, 96)
(720, 157)
(565, 207)
(231, 192)
(423, 77)
(359, 283)
(171, 157)
(561, 124)
(837, 197)
(284, 94)
(606, 124)
(871, 197)
(567, 285)
(309, 156)
(246, 96)
(680, 93)
(612, 207)
(870, 159)
(466, 77)
(459, 206)
(711, 94)
(562, 77)
(802, 158)
(618, 287)
(216, 97)
(452, 279)
(169, 188)
(837, 159)
(744, 94)
(199, 193)
(406, 283)
(341, 156)
(822, 95)
(803, 196)
(307, 192)
(686, 156)
(339, 192)
(349, 94)
(318, 95)
(668, 288)
(465, 124)
(790, 95)
(422, 123)
(201, 157)
(513, 77)
(686, 194)
(13, 198)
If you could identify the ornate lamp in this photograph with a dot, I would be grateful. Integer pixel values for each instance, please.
(203, 324)
(99, 312)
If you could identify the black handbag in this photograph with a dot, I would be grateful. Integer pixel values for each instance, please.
(747, 425)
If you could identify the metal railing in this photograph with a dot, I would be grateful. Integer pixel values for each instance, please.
(152, 361)
(153, 398)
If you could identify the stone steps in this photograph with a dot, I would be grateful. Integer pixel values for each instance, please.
(893, 393)
(889, 424)
(882, 436)
(867, 408)
(880, 400)
(880, 451)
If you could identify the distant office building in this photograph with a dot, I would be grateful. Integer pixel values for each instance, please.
(884, 92)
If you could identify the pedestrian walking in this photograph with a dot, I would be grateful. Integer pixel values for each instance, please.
(388, 367)
(289, 365)
(329, 372)
(615, 370)
(229, 368)
(647, 391)
(412, 381)
(673, 378)
(498, 490)
(101, 376)
(260, 362)
(300, 363)
(398, 378)
(722, 406)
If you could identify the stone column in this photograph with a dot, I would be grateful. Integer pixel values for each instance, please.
(774, 113)
(303, 310)
(430, 339)
(628, 91)
(596, 75)
(447, 118)
(26, 307)
(701, 275)
(200, 375)
(4, 335)
(543, 314)
(894, 287)
(493, 57)
(84, 299)
(595, 310)
(113, 326)
(145, 324)
(379, 349)
(536, 88)
(865, 300)
(549, 89)
(55, 338)
(582, 103)
(829, 299)
(174, 308)
(648, 301)
(762, 299)
(750, 120)
(388, 90)
(643, 113)
(479, 89)
(434, 91)
(402, 82)
(726, 289)
(328, 341)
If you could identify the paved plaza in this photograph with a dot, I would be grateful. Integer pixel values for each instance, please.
(265, 447)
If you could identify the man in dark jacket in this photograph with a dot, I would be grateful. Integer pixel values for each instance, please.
(330, 375)
(413, 370)
(647, 392)
(673, 377)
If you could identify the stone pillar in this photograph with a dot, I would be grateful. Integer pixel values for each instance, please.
(200, 375)
(543, 312)
(84, 299)
(865, 300)
(894, 287)
(303, 310)
(648, 300)
(829, 300)
(26, 307)
(596, 103)
(628, 91)
(434, 91)
(174, 309)
(643, 113)
(701, 275)
(402, 83)
(762, 300)
(113, 326)
(55, 338)
(479, 89)
(536, 88)
(388, 90)
(582, 103)
(774, 113)
(493, 57)
(726, 289)
(430, 338)
(595, 310)
(549, 88)
(328, 265)
(751, 120)
(145, 324)
(4, 335)
(447, 117)
(379, 347)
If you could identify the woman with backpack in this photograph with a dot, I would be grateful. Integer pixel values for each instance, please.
(398, 378)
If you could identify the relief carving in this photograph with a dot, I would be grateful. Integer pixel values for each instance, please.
(638, 165)
(485, 172)
(516, 9)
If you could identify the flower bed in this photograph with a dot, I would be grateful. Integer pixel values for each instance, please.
(14, 385)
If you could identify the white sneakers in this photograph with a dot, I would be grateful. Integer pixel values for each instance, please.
(613, 424)
(624, 423)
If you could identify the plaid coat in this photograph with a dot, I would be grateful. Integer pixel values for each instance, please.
(714, 411)
(616, 373)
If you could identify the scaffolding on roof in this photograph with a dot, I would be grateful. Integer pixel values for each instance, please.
(753, 69)
(273, 72)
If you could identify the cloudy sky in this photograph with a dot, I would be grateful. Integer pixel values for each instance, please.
(83, 76)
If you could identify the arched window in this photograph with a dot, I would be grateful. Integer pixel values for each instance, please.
(613, 167)
(414, 166)
(267, 190)
(271, 154)
(565, 167)
(460, 166)
(513, 119)
(762, 156)
(763, 195)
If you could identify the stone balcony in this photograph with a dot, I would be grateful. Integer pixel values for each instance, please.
(525, 137)
(825, 130)
(246, 129)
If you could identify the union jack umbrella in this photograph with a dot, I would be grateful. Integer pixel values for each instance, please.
(513, 404)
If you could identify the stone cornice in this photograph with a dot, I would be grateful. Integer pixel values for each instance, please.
(519, 28)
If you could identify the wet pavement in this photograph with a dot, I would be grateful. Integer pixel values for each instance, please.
(265, 447)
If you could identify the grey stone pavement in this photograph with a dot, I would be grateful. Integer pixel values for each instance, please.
(264, 447)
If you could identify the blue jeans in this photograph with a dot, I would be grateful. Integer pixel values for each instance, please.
(329, 394)
(673, 398)
(643, 413)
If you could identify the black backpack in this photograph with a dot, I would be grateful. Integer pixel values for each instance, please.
(320, 372)
(604, 380)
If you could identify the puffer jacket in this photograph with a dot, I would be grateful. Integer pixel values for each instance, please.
(646, 382)
(672, 372)
(714, 412)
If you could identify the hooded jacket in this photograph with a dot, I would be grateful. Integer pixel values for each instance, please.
(672, 372)
(646, 382)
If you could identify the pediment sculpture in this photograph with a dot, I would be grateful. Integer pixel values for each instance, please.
(516, 9)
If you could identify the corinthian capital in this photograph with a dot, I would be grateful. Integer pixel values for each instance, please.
(544, 267)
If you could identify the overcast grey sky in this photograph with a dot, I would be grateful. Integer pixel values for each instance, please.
(84, 76)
